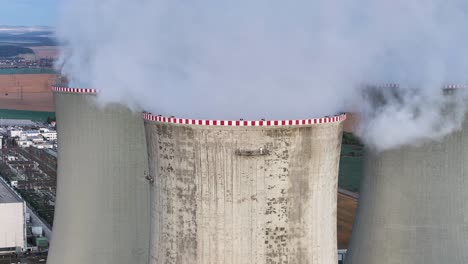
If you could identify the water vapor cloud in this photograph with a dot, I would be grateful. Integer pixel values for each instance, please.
(273, 59)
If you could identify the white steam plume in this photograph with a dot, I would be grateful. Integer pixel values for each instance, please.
(395, 116)
(272, 59)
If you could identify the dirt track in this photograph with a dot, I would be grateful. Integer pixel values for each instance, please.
(26, 92)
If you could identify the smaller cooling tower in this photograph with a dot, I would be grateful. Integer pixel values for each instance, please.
(102, 209)
(413, 203)
(248, 192)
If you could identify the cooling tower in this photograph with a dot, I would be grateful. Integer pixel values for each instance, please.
(413, 204)
(248, 192)
(103, 207)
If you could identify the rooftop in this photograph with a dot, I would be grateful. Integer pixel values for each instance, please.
(7, 195)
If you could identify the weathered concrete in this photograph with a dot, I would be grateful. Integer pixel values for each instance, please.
(248, 195)
(413, 205)
(102, 211)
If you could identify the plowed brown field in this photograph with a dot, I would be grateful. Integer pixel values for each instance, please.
(347, 205)
(350, 122)
(26, 92)
(46, 51)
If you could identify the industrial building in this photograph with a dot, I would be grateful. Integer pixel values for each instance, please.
(12, 221)
(42, 138)
(243, 191)
(102, 209)
(413, 204)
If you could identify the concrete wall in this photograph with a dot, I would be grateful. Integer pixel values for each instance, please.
(217, 200)
(12, 225)
(102, 209)
(413, 205)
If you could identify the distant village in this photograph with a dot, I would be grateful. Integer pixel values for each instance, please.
(30, 62)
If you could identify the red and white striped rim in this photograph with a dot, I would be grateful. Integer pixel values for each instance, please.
(395, 85)
(74, 90)
(455, 86)
(94, 91)
(298, 122)
(383, 85)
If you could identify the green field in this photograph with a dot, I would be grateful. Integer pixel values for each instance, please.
(26, 115)
(26, 71)
(351, 167)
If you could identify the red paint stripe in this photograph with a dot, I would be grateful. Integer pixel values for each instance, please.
(73, 90)
(174, 120)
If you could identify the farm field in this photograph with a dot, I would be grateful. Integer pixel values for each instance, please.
(26, 92)
(349, 180)
(350, 122)
(45, 51)
(39, 116)
(347, 205)
(351, 167)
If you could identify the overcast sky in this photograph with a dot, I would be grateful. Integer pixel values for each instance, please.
(28, 12)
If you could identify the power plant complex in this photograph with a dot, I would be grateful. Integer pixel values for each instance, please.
(221, 191)
(146, 189)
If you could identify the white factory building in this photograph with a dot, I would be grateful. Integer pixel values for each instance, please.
(15, 132)
(41, 138)
(12, 221)
(47, 133)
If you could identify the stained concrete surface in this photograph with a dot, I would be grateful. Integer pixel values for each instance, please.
(213, 203)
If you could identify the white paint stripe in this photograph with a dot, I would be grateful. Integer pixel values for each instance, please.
(74, 90)
(297, 122)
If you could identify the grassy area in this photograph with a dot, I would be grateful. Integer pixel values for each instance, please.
(27, 71)
(351, 167)
(26, 115)
(350, 139)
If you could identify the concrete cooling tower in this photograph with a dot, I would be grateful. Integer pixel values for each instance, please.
(248, 192)
(413, 204)
(102, 210)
